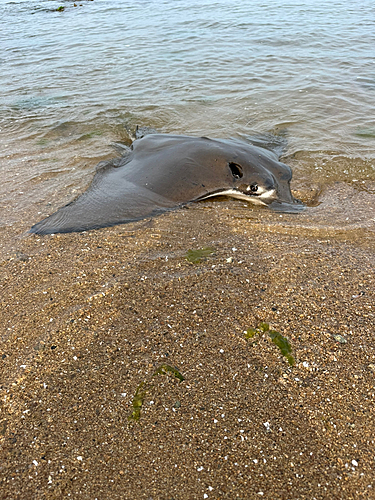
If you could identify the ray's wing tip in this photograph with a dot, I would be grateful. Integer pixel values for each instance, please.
(37, 229)
(289, 208)
(40, 230)
(47, 226)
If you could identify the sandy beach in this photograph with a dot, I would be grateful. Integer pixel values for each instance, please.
(125, 367)
(88, 317)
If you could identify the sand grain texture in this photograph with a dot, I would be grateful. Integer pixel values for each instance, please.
(87, 317)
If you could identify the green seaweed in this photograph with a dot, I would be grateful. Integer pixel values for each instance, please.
(164, 369)
(251, 333)
(138, 400)
(144, 387)
(60, 9)
(42, 142)
(195, 256)
(258, 331)
(283, 344)
(279, 340)
(264, 327)
(90, 135)
(365, 132)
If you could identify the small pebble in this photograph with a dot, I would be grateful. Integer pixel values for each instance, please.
(339, 338)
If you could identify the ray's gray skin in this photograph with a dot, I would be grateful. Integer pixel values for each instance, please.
(160, 172)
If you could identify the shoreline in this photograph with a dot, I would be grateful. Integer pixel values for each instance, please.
(90, 316)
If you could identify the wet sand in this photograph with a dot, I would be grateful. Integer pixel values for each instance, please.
(87, 317)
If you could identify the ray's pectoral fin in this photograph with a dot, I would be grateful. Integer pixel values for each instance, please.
(105, 203)
(292, 207)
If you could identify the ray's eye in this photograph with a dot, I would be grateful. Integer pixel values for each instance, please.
(254, 188)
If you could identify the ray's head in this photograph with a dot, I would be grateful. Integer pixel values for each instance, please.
(269, 185)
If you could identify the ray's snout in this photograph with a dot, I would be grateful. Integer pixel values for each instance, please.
(284, 201)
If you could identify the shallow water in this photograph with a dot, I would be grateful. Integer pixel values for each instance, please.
(75, 81)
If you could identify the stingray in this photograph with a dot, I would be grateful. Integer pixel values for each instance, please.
(160, 172)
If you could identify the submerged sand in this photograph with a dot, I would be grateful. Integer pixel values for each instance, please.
(86, 318)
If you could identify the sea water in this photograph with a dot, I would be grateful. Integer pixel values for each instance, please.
(73, 81)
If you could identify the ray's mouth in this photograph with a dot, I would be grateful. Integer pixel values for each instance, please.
(255, 191)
